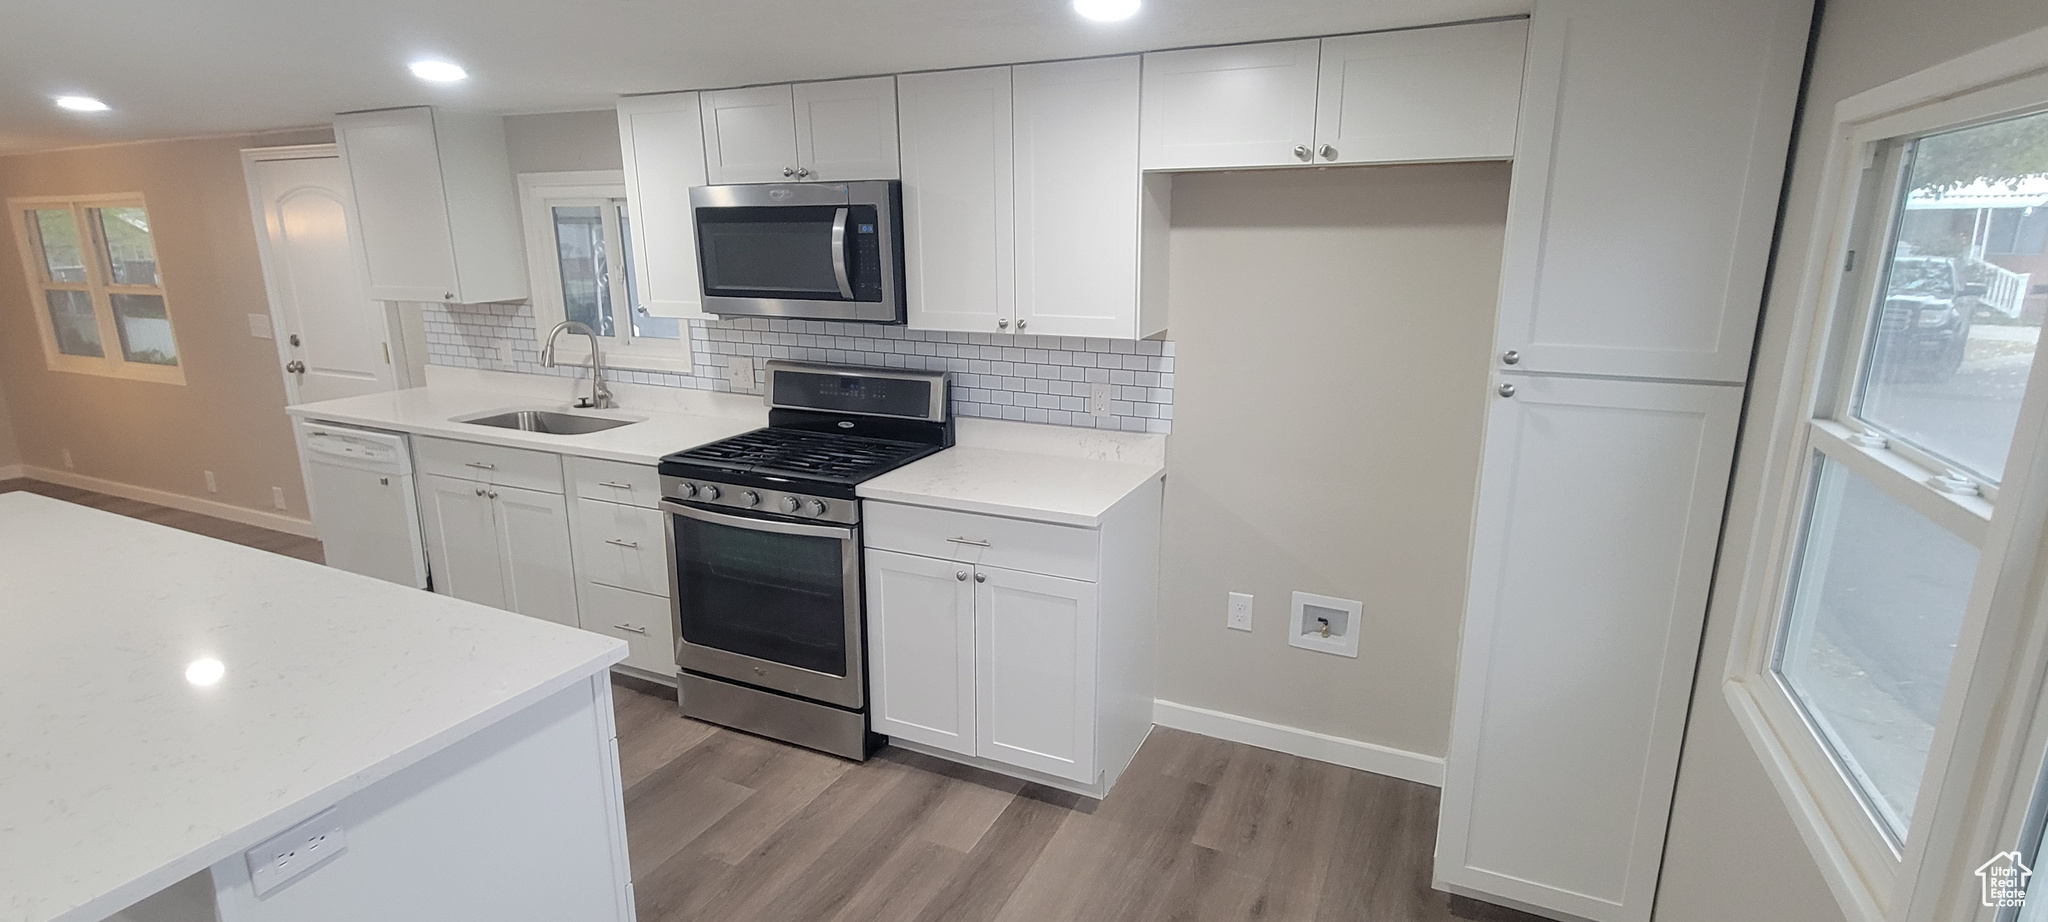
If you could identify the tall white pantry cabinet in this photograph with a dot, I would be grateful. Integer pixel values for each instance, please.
(1649, 156)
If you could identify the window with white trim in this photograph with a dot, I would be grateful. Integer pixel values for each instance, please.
(578, 232)
(97, 293)
(1892, 657)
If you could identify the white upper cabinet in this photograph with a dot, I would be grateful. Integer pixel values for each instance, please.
(1078, 199)
(1235, 106)
(1419, 95)
(838, 131)
(662, 140)
(1653, 140)
(958, 210)
(750, 134)
(846, 130)
(1416, 95)
(435, 208)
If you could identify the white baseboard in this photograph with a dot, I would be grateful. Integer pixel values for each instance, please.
(12, 471)
(219, 510)
(1308, 744)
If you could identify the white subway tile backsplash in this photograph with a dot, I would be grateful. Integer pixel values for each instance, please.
(1040, 379)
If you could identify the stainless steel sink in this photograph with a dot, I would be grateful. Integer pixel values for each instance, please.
(552, 422)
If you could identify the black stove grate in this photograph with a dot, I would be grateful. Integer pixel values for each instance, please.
(800, 453)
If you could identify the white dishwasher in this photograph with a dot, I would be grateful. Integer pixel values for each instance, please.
(364, 504)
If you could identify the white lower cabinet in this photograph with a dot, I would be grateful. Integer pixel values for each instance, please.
(501, 546)
(639, 619)
(1046, 677)
(622, 571)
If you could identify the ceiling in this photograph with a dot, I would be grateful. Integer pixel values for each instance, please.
(197, 67)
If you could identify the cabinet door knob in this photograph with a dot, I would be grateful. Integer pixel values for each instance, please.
(1020, 324)
(1003, 322)
(802, 172)
(1328, 152)
(450, 296)
(788, 171)
(479, 491)
(1302, 153)
(1510, 357)
(981, 577)
(492, 494)
(961, 576)
(1507, 390)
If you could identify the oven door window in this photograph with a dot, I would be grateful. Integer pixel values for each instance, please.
(788, 252)
(774, 597)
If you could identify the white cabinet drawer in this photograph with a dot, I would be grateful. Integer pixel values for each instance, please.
(639, 619)
(615, 481)
(621, 546)
(1032, 547)
(492, 464)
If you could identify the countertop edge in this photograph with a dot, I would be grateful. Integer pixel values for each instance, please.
(306, 807)
(1007, 510)
(482, 435)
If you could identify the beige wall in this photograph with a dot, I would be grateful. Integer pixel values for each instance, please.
(1733, 852)
(228, 417)
(1331, 331)
(10, 451)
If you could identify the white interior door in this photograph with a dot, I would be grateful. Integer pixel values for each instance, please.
(322, 316)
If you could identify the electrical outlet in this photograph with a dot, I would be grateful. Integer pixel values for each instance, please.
(739, 372)
(277, 497)
(1240, 615)
(295, 851)
(68, 465)
(1098, 401)
(212, 485)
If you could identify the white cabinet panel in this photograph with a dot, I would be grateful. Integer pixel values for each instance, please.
(662, 141)
(1238, 105)
(1035, 653)
(1653, 140)
(435, 208)
(1077, 189)
(490, 464)
(749, 134)
(621, 546)
(846, 129)
(533, 536)
(641, 620)
(1599, 510)
(462, 540)
(1013, 544)
(921, 649)
(615, 481)
(958, 208)
(1449, 93)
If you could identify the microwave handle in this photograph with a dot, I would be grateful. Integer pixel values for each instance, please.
(839, 254)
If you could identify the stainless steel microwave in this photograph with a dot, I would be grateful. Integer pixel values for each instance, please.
(814, 250)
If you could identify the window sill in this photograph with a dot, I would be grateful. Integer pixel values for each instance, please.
(126, 371)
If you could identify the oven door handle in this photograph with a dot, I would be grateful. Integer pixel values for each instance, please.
(839, 273)
(841, 532)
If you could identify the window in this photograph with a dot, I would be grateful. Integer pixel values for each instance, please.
(98, 294)
(578, 231)
(1893, 644)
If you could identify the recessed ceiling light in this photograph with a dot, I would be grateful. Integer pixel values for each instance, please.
(81, 104)
(438, 71)
(1106, 10)
(205, 671)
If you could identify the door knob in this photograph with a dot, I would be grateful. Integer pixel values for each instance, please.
(295, 367)
(1328, 152)
(1302, 153)
(294, 339)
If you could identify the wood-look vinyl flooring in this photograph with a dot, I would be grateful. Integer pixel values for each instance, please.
(276, 542)
(730, 827)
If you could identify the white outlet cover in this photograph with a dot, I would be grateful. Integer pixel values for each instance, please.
(1305, 630)
(1238, 617)
(277, 497)
(295, 851)
(1098, 401)
(739, 372)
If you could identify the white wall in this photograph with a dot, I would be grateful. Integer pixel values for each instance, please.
(556, 141)
(1733, 852)
(1332, 330)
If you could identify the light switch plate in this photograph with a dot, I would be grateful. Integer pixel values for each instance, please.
(739, 372)
(295, 851)
(259, 326)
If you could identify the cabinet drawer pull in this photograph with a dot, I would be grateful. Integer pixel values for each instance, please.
(977, 542)
(614, 485)
(627, 627)
(480, 465)
(628, 545)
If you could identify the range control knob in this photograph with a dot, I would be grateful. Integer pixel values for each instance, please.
(686, 490)
(791, 504)
(707, 491)
(817, 507)
(751, 498)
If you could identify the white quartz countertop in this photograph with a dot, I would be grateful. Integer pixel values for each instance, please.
(1061, 489)
(431, 411)
(119, 777)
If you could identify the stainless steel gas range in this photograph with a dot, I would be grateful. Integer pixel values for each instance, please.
(765, 551)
